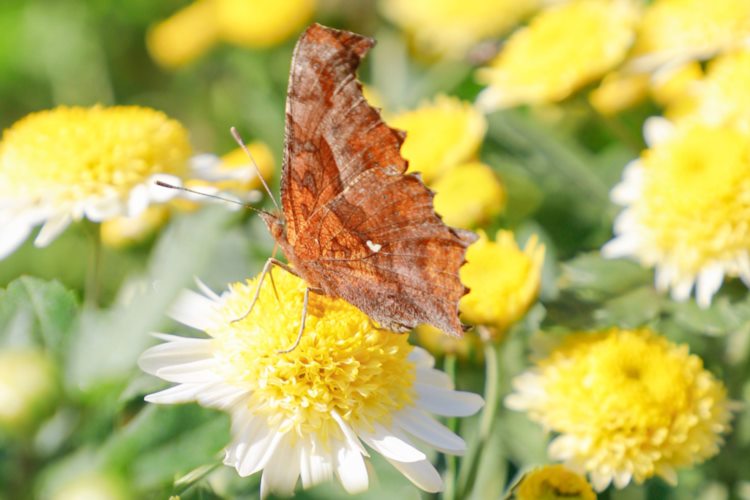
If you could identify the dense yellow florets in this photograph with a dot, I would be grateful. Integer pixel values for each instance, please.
(343, 364)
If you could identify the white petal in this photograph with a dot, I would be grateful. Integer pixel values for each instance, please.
(204, 162)
(629, 189)
(424, 427)
(192, 309)
(281, 472)
(622, 478)
(182, 393)
(447, 403)
(12, 235)
(175, 352)
(159, 193)
(421, 358)
(422, 474)
(622, 246)
(351, 469)
(657, 130)
(435, 378)
(350, 435)
(52, 229)
(138, 200)
(391, 443)
(708, 283)
(681, 289)
(200, 371)
(221, 395)
(256, 445)
(101, 209)
(315, 467)
(206, 290)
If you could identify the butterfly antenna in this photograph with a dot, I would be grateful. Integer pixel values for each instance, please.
(239, 140)
(199, 193)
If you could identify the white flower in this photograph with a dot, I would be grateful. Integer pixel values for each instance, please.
(308, 413)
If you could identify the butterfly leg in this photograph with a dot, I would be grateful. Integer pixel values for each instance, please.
(266, 270)
(305, 301)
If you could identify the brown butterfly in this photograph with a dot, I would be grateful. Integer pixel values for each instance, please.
(354, 224)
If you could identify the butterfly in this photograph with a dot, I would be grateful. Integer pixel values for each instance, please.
(354, 225)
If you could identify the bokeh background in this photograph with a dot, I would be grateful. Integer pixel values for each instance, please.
(554, 156)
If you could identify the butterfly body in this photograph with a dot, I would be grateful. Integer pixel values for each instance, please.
(354, 224)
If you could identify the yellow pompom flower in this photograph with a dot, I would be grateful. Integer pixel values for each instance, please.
(553, 482)
(28, 389)
(503, 280)
(675, 84)
(721, 96)
(185, 36)
(440, 135)
(673, 32)
(68, 163)
(306, 413)
(625, 405)
(192, 31)
(262, 23)
(687, 203)
(451, 27)
(468, 194)
(232, 174)
(618, 91)
(438, 343)
(562, 49)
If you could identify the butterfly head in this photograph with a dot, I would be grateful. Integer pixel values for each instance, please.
(275, 225)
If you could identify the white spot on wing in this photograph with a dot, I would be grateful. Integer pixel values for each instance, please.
(373, 246)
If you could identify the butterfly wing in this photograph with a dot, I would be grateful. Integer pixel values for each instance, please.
(357, 226)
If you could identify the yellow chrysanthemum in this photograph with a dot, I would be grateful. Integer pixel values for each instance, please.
(503, 280)
(619, 91)
(676, 31)
(262, 23)
(669, 86)
(468, 194)
(553, 482)
(563, 48)
(687, 205)
(721, 96)
(28, 389)
(304, 413)
(437, 342)
(627, 405)
(185, 36)
(451, 27)
(232, 174)
(192, 31)
(440, 135)
(68, 163)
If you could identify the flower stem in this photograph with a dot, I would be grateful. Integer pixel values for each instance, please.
(449, 365)
(93, 271)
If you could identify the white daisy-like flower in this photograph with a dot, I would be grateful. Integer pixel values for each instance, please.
(687, 203)
(308, 413)
(70, 163)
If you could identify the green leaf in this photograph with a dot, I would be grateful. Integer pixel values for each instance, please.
(593, 278)
(38, 312)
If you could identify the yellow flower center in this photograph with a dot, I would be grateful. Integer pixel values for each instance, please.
(635, 398)
(343, 362)
(503, 280)
(696, 197)
(554, 482)
(69, 154)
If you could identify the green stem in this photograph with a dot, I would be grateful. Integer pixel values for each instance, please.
(93, 271)
(470, 465)
(449, 364)
(492, 383)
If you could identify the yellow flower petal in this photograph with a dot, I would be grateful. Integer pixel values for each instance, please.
(468, 194)
(553, 482)
(626, 405)
(185, 36)
(687, 205)
(503, 280)
(450, 27)
(675, 31)
(440, 135)
(618, 92)
(262, 23)
(563, 48)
